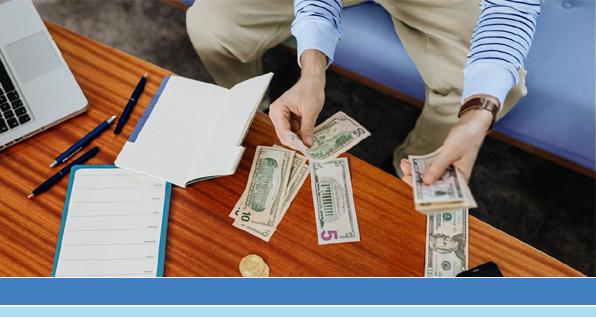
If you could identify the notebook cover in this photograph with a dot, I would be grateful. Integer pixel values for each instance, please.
(147, 113)
(164, 222)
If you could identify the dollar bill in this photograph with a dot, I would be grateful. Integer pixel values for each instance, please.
(334, 202)
(294, 186)
(261, 232)
(266, 187)
(333, 137)
(298, 174)
(449, 192)
(446, 243)
(297, 161)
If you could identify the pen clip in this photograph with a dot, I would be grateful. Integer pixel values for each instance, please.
(70, 156)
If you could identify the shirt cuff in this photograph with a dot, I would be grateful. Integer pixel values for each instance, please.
(489, 79)
(316, 35)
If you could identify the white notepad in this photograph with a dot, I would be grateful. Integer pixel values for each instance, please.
(114, 224)
(193, 130)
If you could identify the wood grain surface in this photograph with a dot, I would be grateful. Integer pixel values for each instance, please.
(201, 240)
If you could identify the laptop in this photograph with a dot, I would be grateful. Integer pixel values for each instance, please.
(37, 90)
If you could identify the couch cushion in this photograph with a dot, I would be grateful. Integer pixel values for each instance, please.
(558, 113)
(370, 47)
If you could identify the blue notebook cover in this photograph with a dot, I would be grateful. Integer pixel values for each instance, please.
(164, 222)
(147, 113)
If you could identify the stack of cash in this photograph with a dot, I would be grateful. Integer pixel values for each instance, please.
(275, 178)
(277, 174)
(450, 192)
(446, 203)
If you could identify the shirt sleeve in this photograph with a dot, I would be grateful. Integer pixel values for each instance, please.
(499, 46)
(317, 26)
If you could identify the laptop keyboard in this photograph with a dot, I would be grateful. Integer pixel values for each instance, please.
(12, 110)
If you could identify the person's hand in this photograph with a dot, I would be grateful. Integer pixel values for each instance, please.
(460, 148)
(298, 108)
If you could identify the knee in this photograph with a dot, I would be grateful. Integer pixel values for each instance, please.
(213, 26)
(200, 20)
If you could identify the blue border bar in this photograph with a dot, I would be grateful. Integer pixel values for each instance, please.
(294, 311)
(298, 291)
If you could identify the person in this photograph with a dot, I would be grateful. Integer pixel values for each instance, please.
(468, 52)
(441, 243)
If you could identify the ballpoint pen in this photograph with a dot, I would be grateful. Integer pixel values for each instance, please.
(130, 105)
(55, 178)
(83, 142)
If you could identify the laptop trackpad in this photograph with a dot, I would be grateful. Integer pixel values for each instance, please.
(33, 57)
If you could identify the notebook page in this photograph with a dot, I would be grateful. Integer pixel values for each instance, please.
(219, 162)
(240, 107)
(227, 134)
(113, 226)
(176, 130)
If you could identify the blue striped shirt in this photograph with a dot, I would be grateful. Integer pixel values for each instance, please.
(499, 46)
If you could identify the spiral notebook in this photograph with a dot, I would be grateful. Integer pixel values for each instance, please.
(114, 224)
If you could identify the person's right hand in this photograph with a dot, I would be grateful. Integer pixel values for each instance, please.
(298, 108)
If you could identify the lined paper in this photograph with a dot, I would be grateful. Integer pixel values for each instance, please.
(113, 225)
(175, 132)
(194, 131)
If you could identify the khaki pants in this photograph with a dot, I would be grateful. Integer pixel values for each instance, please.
(231, 37)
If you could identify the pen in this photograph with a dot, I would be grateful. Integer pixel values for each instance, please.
(55, 178)
(130, 105)
(83, 142)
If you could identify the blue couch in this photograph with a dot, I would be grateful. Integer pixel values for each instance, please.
(556, 119)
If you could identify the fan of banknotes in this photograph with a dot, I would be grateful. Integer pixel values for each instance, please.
(277, 174)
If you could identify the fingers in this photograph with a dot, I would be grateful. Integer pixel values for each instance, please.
(408, 180)
(295, 124)
(280, 116)
(406, 168)
(437, 168)
(307, 128)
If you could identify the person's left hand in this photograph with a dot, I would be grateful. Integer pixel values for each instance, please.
(460, 148)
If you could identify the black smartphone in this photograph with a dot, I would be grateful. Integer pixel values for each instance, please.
(488, 269)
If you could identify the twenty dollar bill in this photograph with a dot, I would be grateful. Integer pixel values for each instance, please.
(446, 243)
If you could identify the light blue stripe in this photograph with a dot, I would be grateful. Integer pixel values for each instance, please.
(305, 311)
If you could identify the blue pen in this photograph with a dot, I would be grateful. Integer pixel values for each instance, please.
(83, 142)
(55, 178)
(130, 105)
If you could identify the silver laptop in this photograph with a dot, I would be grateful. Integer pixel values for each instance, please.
(37, 90)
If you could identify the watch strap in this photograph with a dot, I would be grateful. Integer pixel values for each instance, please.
(480, 103)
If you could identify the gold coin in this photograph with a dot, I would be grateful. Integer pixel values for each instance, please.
(252, 266)
(265, 273)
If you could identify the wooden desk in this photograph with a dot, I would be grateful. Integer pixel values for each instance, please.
(201, 240)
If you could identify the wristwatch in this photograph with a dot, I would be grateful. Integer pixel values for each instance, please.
(480, 103)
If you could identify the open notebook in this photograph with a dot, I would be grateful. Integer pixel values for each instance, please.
(193, 130)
